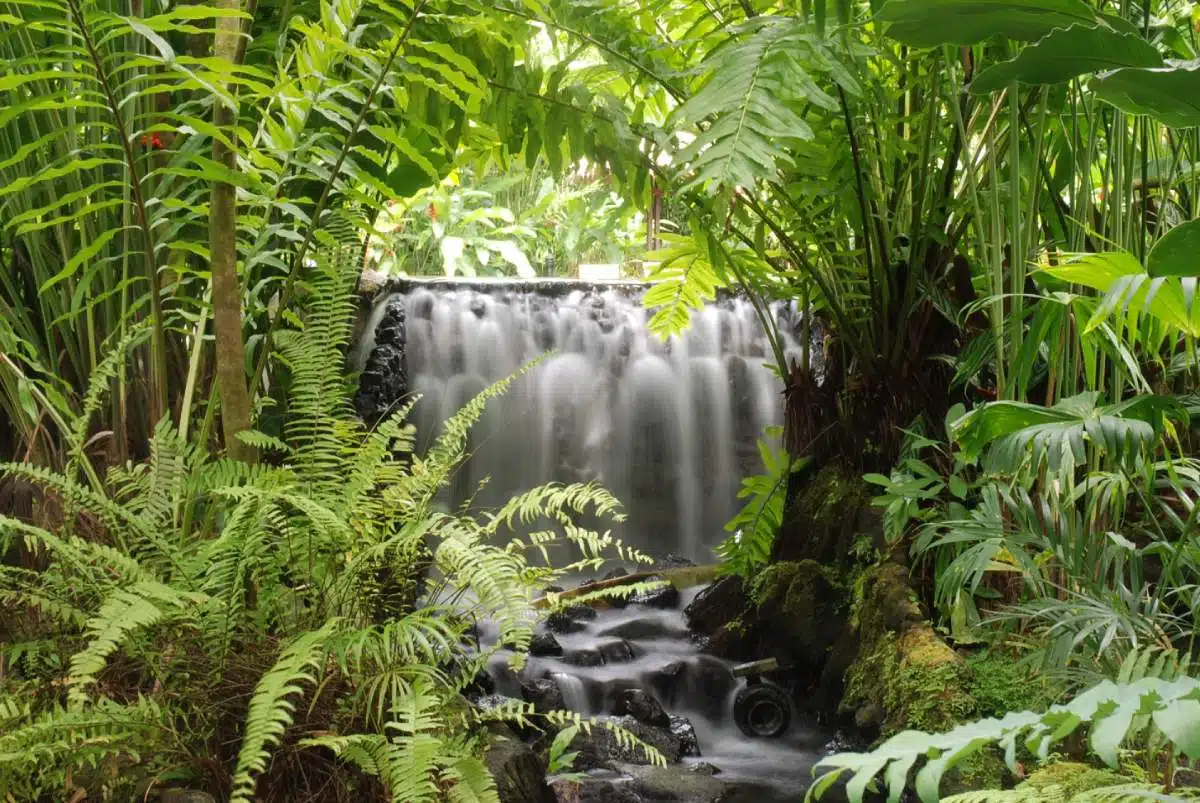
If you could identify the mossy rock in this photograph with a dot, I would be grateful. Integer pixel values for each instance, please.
(1063, 782)
(904, 670)
(983, 770)
(917, 681)
(1000, 684)
(825, 512)
(1069, 778)
(797, 609)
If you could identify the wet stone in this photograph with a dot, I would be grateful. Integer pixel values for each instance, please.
(586, 657)
(642, 706)
(559, 622)
(544, 693)
(666, 596)
(648, 628)
(616, 652)
(545, 644)
(683, 730)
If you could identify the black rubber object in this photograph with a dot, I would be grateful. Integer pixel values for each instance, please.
(762, 710)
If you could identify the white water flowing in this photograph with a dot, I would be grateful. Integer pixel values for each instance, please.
(668, 427)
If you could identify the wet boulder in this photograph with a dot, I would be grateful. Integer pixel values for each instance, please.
(603, 749)
(676, 784)
(570, 619)
(673, 561)
(718, 604)
(545, 644)
(618, 651)
(599, 786)
(663, 596)
(544, 693)
(667, 681)
(584, 657)
(650, 627)
(384, 379)
(642, 706)
(683, 730)
(519, 773)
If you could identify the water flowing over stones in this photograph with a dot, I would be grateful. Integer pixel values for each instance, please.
(669, 427)
(663, 689)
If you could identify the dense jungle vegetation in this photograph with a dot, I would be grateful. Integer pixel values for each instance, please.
(214, 576)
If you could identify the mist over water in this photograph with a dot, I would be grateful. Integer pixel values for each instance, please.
(668, 427)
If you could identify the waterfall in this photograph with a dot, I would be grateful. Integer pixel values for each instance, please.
(575, 697)
(668, 427)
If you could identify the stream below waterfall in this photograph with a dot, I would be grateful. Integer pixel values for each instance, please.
(647, 647)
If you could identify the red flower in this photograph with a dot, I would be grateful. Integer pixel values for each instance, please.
(154, 141)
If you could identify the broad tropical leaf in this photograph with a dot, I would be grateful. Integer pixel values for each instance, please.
(929, 23)
(1170, 95)
(1069, 52)
(1177, 253)
(1062, 434)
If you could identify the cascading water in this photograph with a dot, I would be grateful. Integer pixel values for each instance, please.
(668, 427)
(596, 660)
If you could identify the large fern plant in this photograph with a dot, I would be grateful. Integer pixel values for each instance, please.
(197, 618)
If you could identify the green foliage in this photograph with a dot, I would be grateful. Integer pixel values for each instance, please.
(756, 525)
(751, 90)
(924, 23)
(1116, 711)
(1000, 683)
(323, 601)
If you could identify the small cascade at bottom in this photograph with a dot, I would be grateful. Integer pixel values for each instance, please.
(638, 668)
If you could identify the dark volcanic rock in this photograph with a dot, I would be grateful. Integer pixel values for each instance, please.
(384, 380)
(673, 561)
(585, 657)
(683, 730)
(649, 628)
(544, 693)
(604, 789)
(520, 775)
(559, 622)
(667, 681)
(616, 652)
(642, 706)
(716, 605)
(601, 748)
(570, 619)
(665, 596)
(676, 784)
(544, 644)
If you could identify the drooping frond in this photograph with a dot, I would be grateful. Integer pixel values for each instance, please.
(124, 612)
(272, 707)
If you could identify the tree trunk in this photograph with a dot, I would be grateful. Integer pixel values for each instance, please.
(226, 287)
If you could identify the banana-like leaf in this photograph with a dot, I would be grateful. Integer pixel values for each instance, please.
(1066, 53)
(1170, 95)
(929, 23)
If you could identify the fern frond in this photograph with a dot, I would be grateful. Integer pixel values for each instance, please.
(124, 612)
(273, 704)
(76, 737)
(754, 85)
